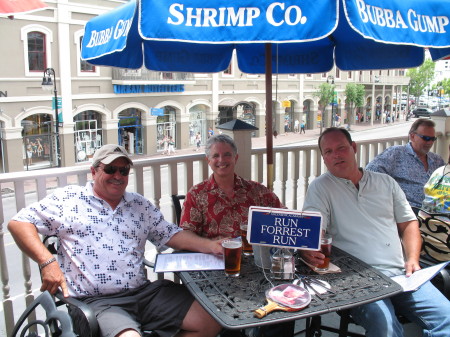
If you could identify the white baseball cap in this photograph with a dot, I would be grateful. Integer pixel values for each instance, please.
(108, 153)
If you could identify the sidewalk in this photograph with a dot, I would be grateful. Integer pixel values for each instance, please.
(290, 137)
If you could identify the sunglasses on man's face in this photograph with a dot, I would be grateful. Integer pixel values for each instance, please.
(426, 138)
(111, 169)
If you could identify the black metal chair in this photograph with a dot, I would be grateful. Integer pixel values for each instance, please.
(83, 318)
(57, 322)
(176, 199)
(435, 230)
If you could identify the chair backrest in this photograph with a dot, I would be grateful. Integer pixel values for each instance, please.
(57, 323)
(176, 199)
(435, 230)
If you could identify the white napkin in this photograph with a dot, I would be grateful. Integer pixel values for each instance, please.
(331, 269)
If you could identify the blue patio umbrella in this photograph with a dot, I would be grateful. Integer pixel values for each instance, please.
(309, 36)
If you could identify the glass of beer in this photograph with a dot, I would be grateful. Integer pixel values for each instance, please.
(247, 248)
(232, 250)
(325, 249)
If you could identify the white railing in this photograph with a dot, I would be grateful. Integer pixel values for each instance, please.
(156, 179)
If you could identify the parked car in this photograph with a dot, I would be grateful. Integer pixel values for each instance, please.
(422, 112)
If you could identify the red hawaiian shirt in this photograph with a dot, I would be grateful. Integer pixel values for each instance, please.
(208, 212)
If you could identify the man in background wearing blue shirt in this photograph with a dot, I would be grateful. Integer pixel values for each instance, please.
(411, 165)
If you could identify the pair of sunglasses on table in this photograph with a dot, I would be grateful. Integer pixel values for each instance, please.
(111, 169)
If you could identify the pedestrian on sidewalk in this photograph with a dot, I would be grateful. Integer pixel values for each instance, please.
(302, 127)
(198, 141)
(165, 144)
(171, 146)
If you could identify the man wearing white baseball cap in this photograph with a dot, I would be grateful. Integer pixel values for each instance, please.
(102, 231)
(108, 153)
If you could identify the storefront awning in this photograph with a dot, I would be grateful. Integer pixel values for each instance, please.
(11, 7)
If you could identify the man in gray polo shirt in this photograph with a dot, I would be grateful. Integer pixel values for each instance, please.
(368, 216)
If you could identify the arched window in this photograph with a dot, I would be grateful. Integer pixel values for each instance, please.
(37, 56)
(36, 51)
(84, 68)
(84, 65)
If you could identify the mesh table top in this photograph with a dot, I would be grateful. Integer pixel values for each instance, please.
(231, 301)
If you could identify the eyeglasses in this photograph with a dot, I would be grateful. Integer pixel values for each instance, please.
(110, 169)
(426, 138)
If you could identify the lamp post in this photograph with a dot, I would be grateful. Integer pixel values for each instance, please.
(407, 102)
(330, 79)
(439, 95)
(47, 84)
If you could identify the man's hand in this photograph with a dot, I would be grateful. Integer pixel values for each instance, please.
(216, 247)
(411, 267)
(312, 257)
(53, 278)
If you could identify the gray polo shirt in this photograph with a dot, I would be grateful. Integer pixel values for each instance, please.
(363, 222)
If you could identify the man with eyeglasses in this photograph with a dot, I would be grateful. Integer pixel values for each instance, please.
(102, 231)
(411, 165)
(369, 217)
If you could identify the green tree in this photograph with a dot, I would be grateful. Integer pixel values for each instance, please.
(443, 88)
(445, 85)
(420, 78)
(325, 93)
(355, 98)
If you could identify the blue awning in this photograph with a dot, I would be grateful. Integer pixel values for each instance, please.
(308, 36)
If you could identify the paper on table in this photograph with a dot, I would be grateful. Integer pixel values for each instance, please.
(418, 278)
(188, 261)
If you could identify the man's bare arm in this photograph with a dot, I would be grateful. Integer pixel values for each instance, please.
(28, 240)
(412, 244)
(187, 240)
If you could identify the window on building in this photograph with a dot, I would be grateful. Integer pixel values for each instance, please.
(36, 51)
(229, 70)
(309, 75)
(324, 75)
(338, 73)
(84, 65)
(349, 75)
(84, 68)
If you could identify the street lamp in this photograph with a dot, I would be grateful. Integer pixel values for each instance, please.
(330, 79)
(439, 95)
(47, 84)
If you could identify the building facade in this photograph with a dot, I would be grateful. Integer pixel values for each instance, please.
(142, 109)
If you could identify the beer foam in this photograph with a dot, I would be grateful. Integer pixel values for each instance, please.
(231, 244)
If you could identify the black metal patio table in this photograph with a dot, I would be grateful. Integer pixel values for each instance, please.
(231, 301)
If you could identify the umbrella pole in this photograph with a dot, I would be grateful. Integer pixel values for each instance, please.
(269, 139)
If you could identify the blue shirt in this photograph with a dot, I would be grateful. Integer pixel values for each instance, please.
(403, 164)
